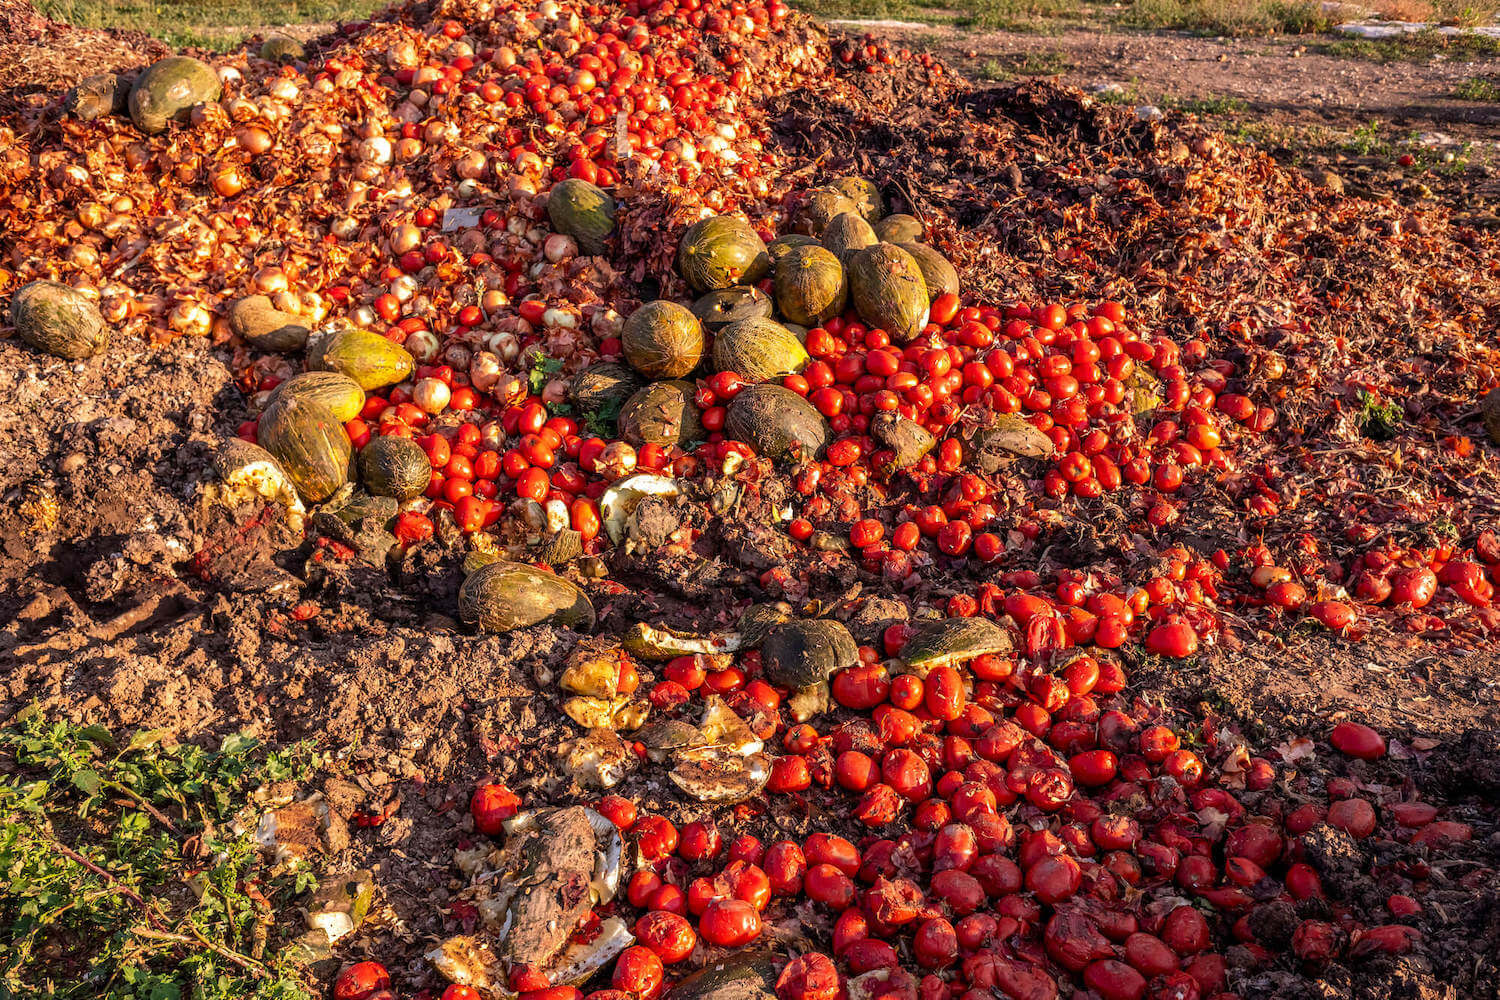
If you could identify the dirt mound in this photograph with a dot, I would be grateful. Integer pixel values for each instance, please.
(38, 54)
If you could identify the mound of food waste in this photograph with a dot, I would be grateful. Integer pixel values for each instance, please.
(866, 537)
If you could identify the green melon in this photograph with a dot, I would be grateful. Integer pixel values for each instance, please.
(502, 596)
(720, 252)
(282, 48)
(846, 234)
(394, 466)
(663, 413)
(899, 229)
(583, 211)
(864, 194)
(818, 208)
(782, 245)
(58, 319)
(777, 423)
(602, 388)
(662, 339)
(941, 276)
(758, 350)
(335, 390)
(98, 95)
(717, 310)
(810, 286)
(889, 291)
(169, 89)
(366, 357)
(310, 444)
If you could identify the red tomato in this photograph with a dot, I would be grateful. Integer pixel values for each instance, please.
(729, 923)
(360, 981)
(670, 936)
(491, 805)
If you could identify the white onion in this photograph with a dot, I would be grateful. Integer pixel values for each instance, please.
(376, 150)
(559, 248)
(404, 286)
(484, 371)
(423, 346)
(432, 395)
(505, 346)
(557, 516)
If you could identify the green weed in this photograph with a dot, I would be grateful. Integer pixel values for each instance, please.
(1478, 88)
(123, 876)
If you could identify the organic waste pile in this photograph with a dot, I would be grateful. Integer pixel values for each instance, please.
(816, 494)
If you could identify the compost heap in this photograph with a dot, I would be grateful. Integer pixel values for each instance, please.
(826, 576)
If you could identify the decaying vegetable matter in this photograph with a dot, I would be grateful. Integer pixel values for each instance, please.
(830, 503)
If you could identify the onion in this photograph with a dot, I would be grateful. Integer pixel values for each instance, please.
(287, 301)
(270, 279)
(616, 461)
(376, 150)
(457, 355)
(484, 371)
(492, 436)
(227, 182)
(253, 139)
(423, 346)
(405, 238)
(404, 287)
(432, 395)
(559, 248)
(505, 346)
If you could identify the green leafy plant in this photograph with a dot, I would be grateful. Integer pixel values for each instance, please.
(125, 874)
(542, 369)
(1378, 421)
(1478, 88)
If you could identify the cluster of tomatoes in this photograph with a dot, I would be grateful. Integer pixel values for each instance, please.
(997, 845)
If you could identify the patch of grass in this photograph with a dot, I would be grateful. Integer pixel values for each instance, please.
(1419, 46)
(1214, 104)
(1017, 15)
(1125, 97)
(1458, 13)
(211, 24)
(925, 11)
(1367, 140)
(123, 876)
(1478, 88)
(1229, 17)
(1006, 67)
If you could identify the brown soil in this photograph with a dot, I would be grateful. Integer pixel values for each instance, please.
(1301, 103)
(39, 54)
